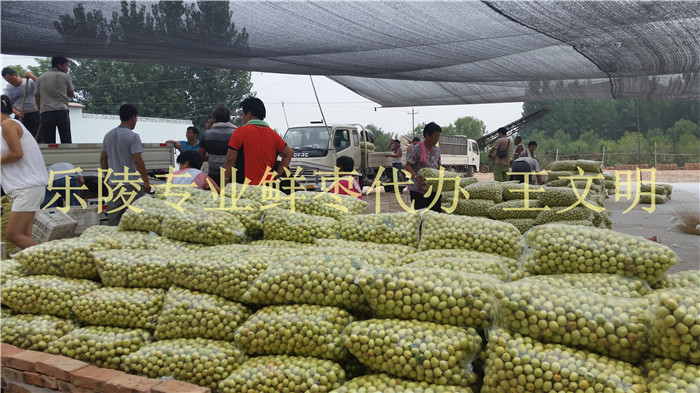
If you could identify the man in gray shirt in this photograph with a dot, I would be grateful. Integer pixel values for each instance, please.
(21, 92)
(121, 148)
(52, 91)
(215, 142)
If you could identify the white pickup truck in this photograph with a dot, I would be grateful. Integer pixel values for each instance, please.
(316, 148)
(157, 156)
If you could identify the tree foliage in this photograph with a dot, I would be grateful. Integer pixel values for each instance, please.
(381, 138)
(630, 131)
(158, 90)
(470, 126)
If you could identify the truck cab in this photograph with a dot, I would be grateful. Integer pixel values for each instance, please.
(317, 146)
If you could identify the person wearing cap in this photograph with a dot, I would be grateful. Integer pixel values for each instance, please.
(500, 155)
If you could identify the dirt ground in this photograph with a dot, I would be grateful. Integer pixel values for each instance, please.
(660, 223)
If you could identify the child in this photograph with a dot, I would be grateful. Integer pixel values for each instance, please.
(347, 185)
(190, 163)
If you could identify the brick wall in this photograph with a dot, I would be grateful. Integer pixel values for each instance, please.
(37, 372)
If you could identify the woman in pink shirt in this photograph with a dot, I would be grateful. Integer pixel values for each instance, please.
(189, 172)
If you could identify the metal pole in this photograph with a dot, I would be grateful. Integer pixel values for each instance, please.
(639, 145)
(319, 102)
(603, 155)
(413, 119)
(285, 115)
(556, 158)
(654, 154)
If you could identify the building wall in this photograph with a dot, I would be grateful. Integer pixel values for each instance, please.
(91, 128)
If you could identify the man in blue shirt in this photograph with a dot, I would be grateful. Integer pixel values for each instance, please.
(192, 142)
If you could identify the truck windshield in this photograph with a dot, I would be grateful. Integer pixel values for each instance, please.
(307, 138)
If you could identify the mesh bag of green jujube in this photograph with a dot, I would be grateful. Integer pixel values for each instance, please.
(513, 360)
(66, 257)
(442, 296)
(385, 383)
(515, 209)
(102, 346)
(517, 191)
(11, 268)
(466, 181)
(264, 195)
(299, 329)
(384, 228)
(465, 207)
(668, 189)
(558, 213)
(314, 279)
(133, 240)
(374, 259)
(284, 374)
(195, 360)
(134, 268)
(523, 224)
(658, 199)
(227, 274)
(421, 351)
(558, 196)
(489, 266)
(602, 284)
(608, 325)
(43, 294)
(471, 256)
(602, 220)
(556, 175)
(120, 307)
(659, 189)
(33, 332)
(564, 165)
(439, 180)
(282, 243)
(585, 223)
(672, 376)
(558, 248)
(492, 191)
(209, 227)
(469, 233)
(396, 249)
(247, 211)
(675, 331)
(609, 184)
(191, 314)
(281, 224)
(165, 244)
(590, 166)
(684, 279)
(148, 215)
(325, 204)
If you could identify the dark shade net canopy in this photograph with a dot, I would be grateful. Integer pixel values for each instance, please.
(396, 53)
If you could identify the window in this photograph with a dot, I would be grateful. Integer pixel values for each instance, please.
(355, 138)
(341, 140)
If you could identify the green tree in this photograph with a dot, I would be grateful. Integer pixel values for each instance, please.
(381, 138)
(470, 126)
(158, 90)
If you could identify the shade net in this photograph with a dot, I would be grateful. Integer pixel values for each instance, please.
(395, 53)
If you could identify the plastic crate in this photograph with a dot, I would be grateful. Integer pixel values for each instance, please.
(52, 224)
(84, 217)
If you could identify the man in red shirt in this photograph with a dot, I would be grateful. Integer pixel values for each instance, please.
(254, 147)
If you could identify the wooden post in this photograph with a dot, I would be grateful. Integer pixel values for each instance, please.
(603, 155)
(654, 154)
(556, 158)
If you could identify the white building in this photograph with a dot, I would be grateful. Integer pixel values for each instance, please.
(91, 128)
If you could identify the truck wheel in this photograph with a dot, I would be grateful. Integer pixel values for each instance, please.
(485, 169)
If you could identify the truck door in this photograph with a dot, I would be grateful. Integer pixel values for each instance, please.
(346, 143)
